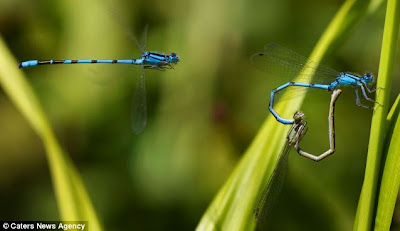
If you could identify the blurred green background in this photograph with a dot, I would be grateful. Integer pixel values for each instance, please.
(202, 115)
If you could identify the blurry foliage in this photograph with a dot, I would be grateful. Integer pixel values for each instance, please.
(381, 182)
(202, 115)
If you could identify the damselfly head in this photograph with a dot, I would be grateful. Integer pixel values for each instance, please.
(173, 58)
(299, 116)
(368, 78)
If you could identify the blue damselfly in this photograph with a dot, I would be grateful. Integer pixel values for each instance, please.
(148, 60)
(284, 62)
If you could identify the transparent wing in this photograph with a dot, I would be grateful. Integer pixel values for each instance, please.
(139, 109)
(273, 189)
(117, 16)
(142, 44)
(292, 92)
(287, 65)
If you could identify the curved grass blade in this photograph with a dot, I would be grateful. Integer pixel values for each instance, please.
(391, 173)
(139, 107)
(367, 202)
(72, 199)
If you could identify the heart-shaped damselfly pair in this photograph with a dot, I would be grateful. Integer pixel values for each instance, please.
(271, 192)
(287, 64)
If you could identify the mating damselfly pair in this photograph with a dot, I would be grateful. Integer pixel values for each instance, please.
(148, 60)
(288, 64)
(271, 191)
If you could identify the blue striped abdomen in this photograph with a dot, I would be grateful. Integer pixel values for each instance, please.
(31, 63)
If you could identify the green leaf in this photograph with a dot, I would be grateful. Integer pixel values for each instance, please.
(365, 211)
(391, 173)
(232, 208)
(73, 201)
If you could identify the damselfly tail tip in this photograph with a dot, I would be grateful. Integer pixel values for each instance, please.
(20, 65)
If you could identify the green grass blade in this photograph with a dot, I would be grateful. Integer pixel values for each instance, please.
(391, 173)
(393, 112)
(73, 201)
(232, 208)
(365, 211)
(374, 6)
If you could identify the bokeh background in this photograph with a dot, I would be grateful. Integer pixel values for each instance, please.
(201, 116)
